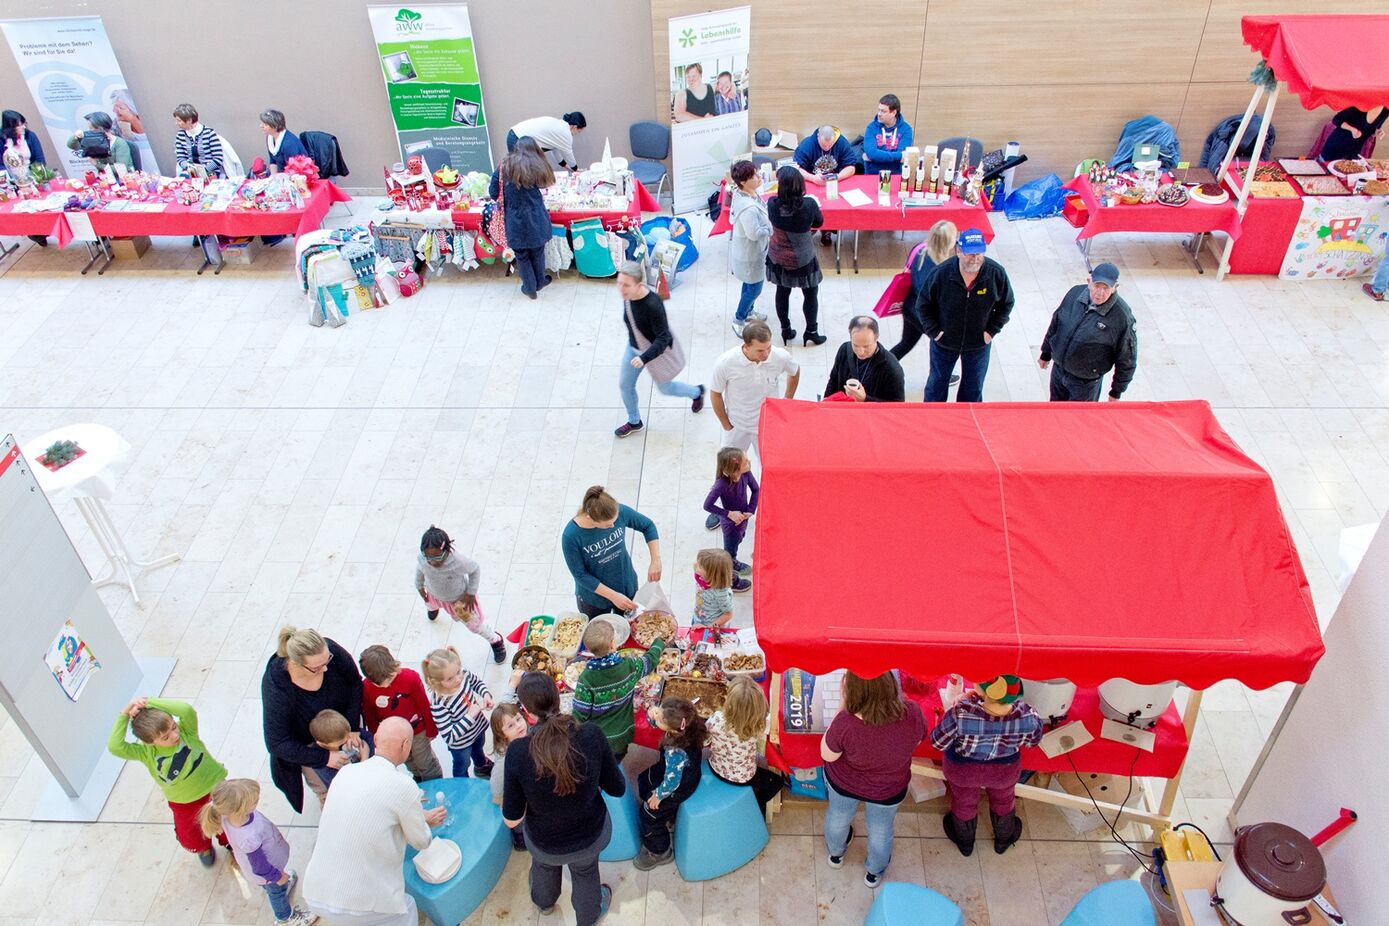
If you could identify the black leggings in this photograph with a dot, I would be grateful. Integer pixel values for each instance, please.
(765, 783)
(810, 307)
(911, 334)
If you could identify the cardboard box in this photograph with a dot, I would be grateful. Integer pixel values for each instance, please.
(129, 248)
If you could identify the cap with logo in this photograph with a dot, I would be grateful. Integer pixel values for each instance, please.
(972, 241)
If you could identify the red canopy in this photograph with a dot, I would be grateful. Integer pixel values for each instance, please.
(1335, 61)
(1080, 541)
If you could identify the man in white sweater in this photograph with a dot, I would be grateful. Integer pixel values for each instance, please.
(356, 876)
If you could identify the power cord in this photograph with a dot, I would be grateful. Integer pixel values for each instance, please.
(1114, 833)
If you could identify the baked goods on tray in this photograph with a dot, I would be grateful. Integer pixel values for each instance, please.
(707, 695)
(1173, 194)
(1269, 173)
(1272, 189)
(1191, 175)
(533, 659)
(1302, 167)
(1209, 193)
(1322, 186)
(649, 625)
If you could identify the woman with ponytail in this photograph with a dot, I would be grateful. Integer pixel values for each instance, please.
(595, 550)
(553, 779)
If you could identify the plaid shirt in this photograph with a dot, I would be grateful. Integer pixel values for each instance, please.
(969, 732)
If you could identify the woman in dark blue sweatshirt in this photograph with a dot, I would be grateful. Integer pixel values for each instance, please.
(517, 183)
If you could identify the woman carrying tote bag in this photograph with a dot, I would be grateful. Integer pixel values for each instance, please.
(651, 346)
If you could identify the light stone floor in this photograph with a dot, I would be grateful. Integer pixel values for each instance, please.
(295, 467)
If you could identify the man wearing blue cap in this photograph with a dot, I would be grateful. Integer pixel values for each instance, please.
(1091, 333)
(963, 308)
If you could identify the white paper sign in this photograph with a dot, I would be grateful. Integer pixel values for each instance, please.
(71, 661)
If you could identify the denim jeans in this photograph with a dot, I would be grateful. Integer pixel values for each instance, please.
(279, 900)
(530, 264)
(974, 364)
(746, 301)
(1381, 281)
(879, 817)
(476, 752)
(627, 385)
(1068, 388)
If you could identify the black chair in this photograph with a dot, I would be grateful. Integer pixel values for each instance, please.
(435, 158)
(957, 144)
(650, 143)
(135, 155)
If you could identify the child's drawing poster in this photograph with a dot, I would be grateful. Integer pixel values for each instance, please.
(1337, 237)
(71, 661)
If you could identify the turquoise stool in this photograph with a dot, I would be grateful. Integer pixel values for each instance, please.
(1117, 903)
(718, 829)
(475, 823)
(626, 838)
(900, 904)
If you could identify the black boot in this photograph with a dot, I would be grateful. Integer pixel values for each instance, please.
(1007, 830)
(787, 336)
(499, 650)
(961, 834)
(432, 615)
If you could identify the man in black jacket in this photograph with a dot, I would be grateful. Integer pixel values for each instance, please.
(1091, 332)
(964, 307)
(863, 370)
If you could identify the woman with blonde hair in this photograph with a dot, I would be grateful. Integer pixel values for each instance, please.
(737, 732)
(308, 673)
(257, 845)
(868, 759)
(595, 550)
(925, 257)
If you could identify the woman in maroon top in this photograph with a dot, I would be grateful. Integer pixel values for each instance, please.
(868, 758)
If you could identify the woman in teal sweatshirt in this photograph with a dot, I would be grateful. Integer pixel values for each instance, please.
(595, 550)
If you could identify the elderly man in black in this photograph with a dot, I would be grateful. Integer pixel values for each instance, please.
(1091, 333)
(863, 370)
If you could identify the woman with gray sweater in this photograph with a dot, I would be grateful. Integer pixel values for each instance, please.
(448, 580)
(751, 232)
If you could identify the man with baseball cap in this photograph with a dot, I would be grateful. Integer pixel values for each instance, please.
(964, 307)
(1091, 333)
(981, 738)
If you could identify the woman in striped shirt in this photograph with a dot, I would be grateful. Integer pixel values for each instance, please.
(459, 702)
(196, 145)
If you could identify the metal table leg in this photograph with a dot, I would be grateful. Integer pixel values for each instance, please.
(1193, 250)
(122, 568)
(7, 251)
(97, 250)
(838, 239)
(856, 250)
(1083, 244)
(207, 260)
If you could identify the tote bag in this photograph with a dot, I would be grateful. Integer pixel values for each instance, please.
(898, 289)
(669, 364)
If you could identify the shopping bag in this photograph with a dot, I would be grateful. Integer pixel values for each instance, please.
(591, 254)
(890, 302)
(651, 597)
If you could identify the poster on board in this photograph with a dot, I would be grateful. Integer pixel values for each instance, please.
(429, 63)
(71, 661)
(1337, 237)
(72, 71)
(709, 83)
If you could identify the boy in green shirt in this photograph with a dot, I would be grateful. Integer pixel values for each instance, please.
(604, 692)
(185, 771)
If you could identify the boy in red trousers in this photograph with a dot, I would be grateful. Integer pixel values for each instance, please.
(391, 691)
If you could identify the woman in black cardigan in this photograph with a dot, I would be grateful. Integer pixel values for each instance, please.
(517, 183)
(306, 675)
(649, 340)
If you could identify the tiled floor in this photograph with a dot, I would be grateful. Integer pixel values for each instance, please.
(295, 468)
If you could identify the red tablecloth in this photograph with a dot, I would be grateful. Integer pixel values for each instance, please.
(181, 221)
(1153, 217)
(840, 216)
(1268, 230)
(1101, 756)
(642, 202)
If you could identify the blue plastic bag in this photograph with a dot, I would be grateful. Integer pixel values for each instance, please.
(1036, 200)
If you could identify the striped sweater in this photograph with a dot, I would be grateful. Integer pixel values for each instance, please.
(461, 717)
(604, 693)
(202, 147)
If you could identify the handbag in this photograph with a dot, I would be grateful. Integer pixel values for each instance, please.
(899, 288)
(95, 144)
(668, 365)
(494, 216)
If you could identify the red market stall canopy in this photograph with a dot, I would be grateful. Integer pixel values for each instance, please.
(1081, 541)
(1335, 61)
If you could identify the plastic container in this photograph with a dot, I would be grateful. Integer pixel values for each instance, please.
(538, 630)
(565, 621)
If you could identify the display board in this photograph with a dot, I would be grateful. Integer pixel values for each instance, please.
(72, 71)
(65, 671)
(1337, 237)
(709, 82)
(429, 62)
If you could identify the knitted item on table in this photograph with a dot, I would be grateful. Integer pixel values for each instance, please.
(361, 256)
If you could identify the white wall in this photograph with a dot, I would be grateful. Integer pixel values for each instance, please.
(1333, 750)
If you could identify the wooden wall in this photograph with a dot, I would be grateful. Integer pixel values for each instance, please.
(1062, 77)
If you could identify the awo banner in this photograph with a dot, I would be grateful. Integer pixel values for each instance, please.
(71, 71)
(430, 67)
(708, 101)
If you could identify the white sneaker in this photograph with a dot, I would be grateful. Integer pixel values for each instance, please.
(300, 918)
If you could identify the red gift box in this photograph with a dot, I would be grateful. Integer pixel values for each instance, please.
(1075, 211)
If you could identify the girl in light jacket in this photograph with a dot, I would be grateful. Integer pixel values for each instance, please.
(751, 232)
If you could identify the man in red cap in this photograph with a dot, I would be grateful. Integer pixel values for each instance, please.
(981, 738)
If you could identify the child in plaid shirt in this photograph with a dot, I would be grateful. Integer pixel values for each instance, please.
(981, 740)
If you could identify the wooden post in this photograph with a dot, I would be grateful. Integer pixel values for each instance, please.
(1242, 192)
(1169, 792)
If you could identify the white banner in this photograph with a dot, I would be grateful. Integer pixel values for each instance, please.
(708, 100)
(71, 71)
(1337, 237)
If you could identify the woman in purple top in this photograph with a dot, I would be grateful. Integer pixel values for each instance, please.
(868, 758)
(731, 503)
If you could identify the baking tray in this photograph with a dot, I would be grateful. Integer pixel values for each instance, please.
(1301, 167)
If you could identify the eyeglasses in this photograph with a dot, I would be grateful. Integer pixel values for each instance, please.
(317, 669)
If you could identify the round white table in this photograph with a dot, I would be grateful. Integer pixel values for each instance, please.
(88, 481)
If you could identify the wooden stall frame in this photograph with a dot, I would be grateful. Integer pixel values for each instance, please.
(1242, 188)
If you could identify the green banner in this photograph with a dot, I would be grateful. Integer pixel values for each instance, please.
(429, 64)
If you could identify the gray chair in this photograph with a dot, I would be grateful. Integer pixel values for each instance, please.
(650, 142)
(957, 143)
(434, 158)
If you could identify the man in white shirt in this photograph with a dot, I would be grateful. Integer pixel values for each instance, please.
(744, 377)
(356, 876)
(551, 134)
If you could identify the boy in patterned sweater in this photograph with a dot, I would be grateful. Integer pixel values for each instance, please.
(604, 692)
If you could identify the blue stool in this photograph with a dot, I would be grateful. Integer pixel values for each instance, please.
(626, 838)
(718, 829)
(1117, 903)
(475, 823)
(900, 904)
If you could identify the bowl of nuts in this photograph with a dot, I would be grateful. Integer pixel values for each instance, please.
(534, 659)
(744, 664)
